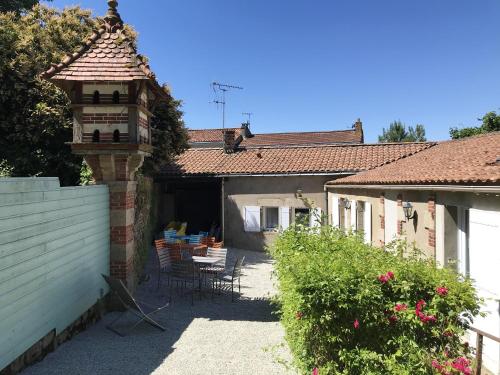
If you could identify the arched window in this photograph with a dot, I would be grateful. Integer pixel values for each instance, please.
(116, 136)
(96, 136)
(96, 99)
(116, 97)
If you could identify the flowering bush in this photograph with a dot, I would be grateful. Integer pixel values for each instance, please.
(349, 308)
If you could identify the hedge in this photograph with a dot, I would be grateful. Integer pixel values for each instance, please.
(350, 308)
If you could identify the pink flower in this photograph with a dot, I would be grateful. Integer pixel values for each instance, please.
(420, 304)
(436, 365)
(442, 290)
(428, 318)
(356, 324)
(315, 371)
(400, 306)
(383, 279)
(447, 333)
(393, 319)
(390, 275)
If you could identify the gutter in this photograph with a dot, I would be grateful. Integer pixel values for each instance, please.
(457, 188)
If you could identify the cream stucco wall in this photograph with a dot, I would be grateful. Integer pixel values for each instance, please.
(265, 191)
(441, 220)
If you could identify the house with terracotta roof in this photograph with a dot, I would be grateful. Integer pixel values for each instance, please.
(253, 184)
(446, 200)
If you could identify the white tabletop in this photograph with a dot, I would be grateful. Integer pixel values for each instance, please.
(205, 260)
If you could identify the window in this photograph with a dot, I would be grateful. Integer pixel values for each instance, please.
(116, 136)
(271, 218)
(96, 99)
(116, 97)
(258, 218)
(302, 216)
(96, 136)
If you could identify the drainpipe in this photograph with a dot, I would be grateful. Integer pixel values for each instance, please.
(222, 224)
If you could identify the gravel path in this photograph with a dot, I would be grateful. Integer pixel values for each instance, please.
(213, 336)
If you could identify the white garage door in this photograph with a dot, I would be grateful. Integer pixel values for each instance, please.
(484, 266)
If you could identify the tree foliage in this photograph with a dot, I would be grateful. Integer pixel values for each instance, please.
(35, 116)
(17, 5)
(398, 132)
(169, 135)
(490, 123)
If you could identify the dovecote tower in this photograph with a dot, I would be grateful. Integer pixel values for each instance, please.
(113, 93)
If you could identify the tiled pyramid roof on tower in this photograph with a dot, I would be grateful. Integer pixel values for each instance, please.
(108, 55)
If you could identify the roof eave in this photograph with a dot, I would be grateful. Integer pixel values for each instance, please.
(452, 188)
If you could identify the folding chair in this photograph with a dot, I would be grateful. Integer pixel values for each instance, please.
(131, 305)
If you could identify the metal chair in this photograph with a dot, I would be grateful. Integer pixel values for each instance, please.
(164, 260)
(137, 308)
(231, 277)
(183, 273)
(195, 239)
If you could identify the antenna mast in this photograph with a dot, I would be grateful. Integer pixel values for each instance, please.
(249, 115)
(223, 88)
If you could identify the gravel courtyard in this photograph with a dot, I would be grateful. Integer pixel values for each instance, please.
(213, 336)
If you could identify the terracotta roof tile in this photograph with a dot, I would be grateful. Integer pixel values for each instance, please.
(304, 138)
(465, 161)
(289, 160)
(209, 135)
(271, 139)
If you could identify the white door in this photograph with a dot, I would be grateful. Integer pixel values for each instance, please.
(484, 268)
(391, 217)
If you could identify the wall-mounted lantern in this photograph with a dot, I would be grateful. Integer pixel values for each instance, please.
(408, 210)
(298, 193)
(347, 204)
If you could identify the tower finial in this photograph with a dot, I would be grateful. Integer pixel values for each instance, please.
(113, 17)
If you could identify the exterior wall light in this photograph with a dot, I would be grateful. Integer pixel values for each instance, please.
(298, 193)
(347, 204)
(408, 210)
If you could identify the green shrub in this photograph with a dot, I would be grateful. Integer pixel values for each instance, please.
(350, 308)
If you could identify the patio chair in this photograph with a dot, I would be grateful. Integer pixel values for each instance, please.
(217, 245)
(195, 239)
(164, 262)
(232, 276)
(209, 241)
(183, 273)
(221, 255)
(141, 310)
(169, 233)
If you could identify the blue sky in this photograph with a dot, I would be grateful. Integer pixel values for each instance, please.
(319, 65)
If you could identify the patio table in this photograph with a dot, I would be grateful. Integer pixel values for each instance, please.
(192, 248)
(201, 262)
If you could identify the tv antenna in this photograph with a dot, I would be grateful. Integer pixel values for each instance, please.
(248, 114)
(223, 88)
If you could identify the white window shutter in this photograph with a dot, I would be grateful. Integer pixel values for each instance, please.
(354, 215)
(284, 217)
(252, 219)
(335, 212)
(315, 217)
(367, 220)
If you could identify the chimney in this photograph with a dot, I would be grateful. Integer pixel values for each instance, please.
(358, 129)
(229, 140)
(245, 130)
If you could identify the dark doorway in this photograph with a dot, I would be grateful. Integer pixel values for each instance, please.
(196, 201)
